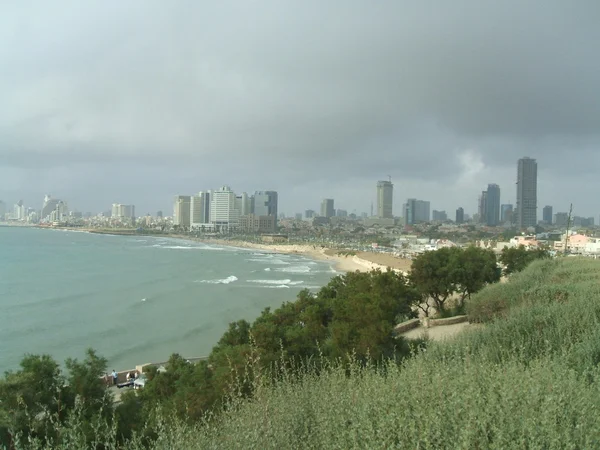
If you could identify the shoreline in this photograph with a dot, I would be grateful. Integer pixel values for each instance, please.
(361, 261)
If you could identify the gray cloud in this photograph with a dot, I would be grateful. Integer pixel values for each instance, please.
(144, 100)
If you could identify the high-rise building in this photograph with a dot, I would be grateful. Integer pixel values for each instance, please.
(341, 213)
(327, 209)
(223, 212)
(309, 214)
(19, 211)
(506, 213)
(159, 214)
(120, 211)
(482, 207)
(2, 210)
(439, 216)
(385, 199)
(526, 214)
(244, 204)
(460, 215)
(492, 205)
(416, 211)
(265, 204)
(561, 219)
(547, 215)
(200, 209)
(48, 207)
(182, 211)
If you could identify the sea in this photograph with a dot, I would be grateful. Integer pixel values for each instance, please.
(134, 299)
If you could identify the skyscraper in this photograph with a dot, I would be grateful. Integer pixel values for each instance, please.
(547, 214)
(327, 209)
(526, 214)
(506, 213)
(200, 209)
(385, 199)
(416, 211)
(460, 215)
(265, 204)
(492, 205)
(482, 207)
(181, 211)
(2, 210)
(223, 212)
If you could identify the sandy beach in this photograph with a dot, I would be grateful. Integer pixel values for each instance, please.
(362, 261)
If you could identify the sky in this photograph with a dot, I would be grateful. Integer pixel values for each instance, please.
(135, 102)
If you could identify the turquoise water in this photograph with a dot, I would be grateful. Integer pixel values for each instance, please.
(133, 299)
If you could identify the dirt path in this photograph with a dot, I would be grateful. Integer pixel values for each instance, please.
(440, 332)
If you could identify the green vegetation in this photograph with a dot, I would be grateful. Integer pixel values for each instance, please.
(439, 275)
(515, 259)
(326, 372)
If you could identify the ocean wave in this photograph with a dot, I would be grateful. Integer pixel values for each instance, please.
(294, 269)
(268, 269)
(274, 261)
(281, 286)
(229, 279)
(271, 281)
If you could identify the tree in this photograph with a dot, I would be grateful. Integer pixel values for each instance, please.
(473, 269)
(515, 259)
(434, 274)
(30, 396)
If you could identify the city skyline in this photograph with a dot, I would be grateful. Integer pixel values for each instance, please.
(199, 104)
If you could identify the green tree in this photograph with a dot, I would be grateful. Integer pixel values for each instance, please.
(474, 267)
(515, 259)
(434, 275)
(31, 397)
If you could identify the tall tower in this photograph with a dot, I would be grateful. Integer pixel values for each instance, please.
(385, 199)
(526, 193)
(492, 205)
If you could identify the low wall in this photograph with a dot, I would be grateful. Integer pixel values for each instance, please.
(447, 321)
(406, 326)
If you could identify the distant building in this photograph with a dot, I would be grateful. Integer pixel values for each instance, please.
(159, 214)
(2, 210)
(265, 204)
(327, 208)
(48, 207)
(385, 199)
(298, 216)
(341, 213)
(583, 222)
(200, 209)
(506, 213)
(561, 219)
(182, 211)
(492, 205)
(19, 211)
(482, 207)
(244, 204)
(439, 216)
(460, 215)
(120, 211)
(526, 214)
(547, 215)
(416, 211)
(309, 214)
(252, 223)
(223, 213)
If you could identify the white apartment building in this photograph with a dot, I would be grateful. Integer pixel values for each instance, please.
(223, 211)
(182, 211)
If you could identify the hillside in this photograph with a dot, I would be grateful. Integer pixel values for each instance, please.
(527, 378)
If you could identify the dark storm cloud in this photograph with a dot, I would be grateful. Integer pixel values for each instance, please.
(312, 98)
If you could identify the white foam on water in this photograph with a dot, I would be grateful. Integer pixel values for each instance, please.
(229, 279)
(294, 269)
(284, 286)
(268, 269)
(272, 281)
(275, 261)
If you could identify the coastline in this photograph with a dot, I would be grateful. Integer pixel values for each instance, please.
(361, 261)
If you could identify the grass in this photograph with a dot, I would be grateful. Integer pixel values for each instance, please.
(529, 379)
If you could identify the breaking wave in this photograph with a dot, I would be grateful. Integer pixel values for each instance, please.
(229, 279)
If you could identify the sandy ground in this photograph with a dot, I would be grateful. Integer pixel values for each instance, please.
(440, 332)
(362, 262)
